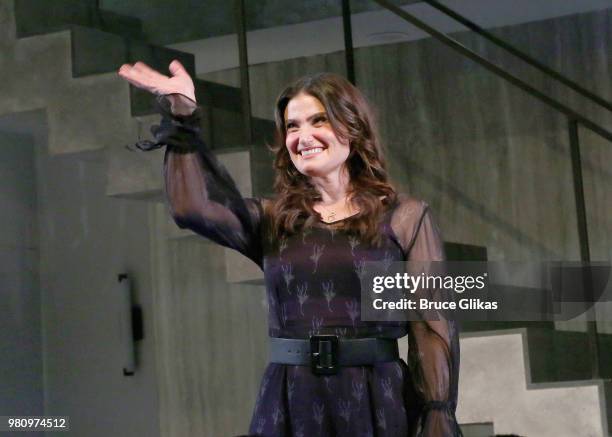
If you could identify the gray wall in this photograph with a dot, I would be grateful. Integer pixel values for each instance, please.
(211, 337)
(21, 379)
(87, 239)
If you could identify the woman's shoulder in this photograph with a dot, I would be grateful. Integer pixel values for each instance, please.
(408, 214)
(407, 206)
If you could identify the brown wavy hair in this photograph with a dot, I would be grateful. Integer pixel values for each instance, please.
(369, 188)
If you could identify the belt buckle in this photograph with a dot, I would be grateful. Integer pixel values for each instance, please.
(324, 354)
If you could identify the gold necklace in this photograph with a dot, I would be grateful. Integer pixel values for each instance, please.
(330, 216)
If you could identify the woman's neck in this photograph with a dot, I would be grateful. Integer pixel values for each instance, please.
(333, 188)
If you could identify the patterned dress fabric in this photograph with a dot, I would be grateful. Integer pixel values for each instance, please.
(312, 283)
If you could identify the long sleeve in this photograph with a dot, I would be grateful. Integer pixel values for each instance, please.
(433, 345)
(201, 194)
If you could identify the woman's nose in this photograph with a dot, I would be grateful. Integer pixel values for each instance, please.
(306, 140)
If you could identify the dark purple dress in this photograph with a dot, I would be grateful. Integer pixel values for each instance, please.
(312, 282)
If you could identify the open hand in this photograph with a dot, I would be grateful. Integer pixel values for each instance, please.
(142, 76)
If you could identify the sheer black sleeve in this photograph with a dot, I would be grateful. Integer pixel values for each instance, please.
(433, 345)
(201, 194)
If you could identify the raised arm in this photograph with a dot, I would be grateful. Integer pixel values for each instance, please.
(433, 345)
(201, 194)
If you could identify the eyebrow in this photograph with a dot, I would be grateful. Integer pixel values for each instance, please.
(318, 114)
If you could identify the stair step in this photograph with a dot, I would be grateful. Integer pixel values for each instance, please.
(96, 51)
(225, 99)
(221, 128)
(496, 362)
(35, 17)
(218, 95)
(111, 49)
(133, 174)
(464, 252)
(138, 175)
(558, 356)
(608, 401)
(86, 41)
(114, 50)
(226, 122)
(477, 429)
(555, 355)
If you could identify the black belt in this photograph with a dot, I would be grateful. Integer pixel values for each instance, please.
(325, 353)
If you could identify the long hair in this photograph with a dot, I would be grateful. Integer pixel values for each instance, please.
(369, 188)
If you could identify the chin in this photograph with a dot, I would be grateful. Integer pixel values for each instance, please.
(311, 169)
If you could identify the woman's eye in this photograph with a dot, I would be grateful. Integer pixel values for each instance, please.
(320, 120)
(291, 127)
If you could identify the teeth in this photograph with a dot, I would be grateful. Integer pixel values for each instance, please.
(311, 151)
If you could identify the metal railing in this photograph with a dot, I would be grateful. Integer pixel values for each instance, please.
(574, 118)
(554, 74)
(245, 86)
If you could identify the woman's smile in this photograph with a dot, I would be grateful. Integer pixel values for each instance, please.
(311, 152)
(310, 137)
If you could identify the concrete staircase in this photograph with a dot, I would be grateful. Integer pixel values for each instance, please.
(528, 378)
(497, 386)
(515, 378)
(531, 381)
(78, 51)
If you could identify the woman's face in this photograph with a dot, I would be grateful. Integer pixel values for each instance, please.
(314, 148)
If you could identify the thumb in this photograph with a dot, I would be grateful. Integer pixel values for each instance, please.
(177, 69)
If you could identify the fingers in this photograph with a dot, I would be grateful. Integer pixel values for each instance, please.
(142, 76)
(147, 71)
(177, 69)
(133, 76)
(126, 72)
(139, 69)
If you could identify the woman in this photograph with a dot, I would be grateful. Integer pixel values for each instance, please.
(331, 374)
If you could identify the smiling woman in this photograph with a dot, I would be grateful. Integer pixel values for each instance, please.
(330, 373)
(342, 174)
(310, 135)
